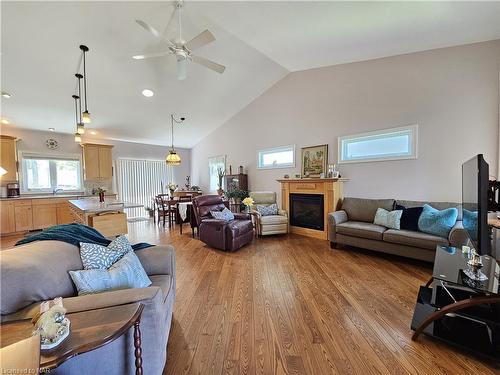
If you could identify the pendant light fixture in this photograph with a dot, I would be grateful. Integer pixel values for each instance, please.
(80, 128)
(78, 137)
(85, 115)
(173, 157)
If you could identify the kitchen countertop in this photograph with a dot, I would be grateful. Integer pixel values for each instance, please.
(52, 196)
(91, 205)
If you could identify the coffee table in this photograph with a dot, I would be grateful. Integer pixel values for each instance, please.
(90, 330)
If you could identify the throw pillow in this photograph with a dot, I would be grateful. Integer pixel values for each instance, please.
(126, 273)
(438, 223)
(388, 219)
(225, 214)
(269, 210)
(410, 216)
(96, 256)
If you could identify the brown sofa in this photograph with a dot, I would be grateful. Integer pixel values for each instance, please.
(353, 225)
(38, 271)
(220, 234)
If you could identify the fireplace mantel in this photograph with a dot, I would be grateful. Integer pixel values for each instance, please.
(330, 188)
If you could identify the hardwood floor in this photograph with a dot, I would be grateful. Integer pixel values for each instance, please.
(290, 305)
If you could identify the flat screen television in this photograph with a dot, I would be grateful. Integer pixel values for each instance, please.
(475, 203)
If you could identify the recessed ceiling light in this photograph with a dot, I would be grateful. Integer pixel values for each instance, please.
(52, 129)
(147, 93)
(5, 121)
(138, 57)
(6, 95)
(93, 132)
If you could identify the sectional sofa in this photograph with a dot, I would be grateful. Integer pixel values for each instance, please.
(38, 271)
(353, 225)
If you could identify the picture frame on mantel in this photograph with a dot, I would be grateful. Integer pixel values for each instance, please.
(314, 161)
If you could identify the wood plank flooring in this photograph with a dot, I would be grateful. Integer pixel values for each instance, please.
(291, 305)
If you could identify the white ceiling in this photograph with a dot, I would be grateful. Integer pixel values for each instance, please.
(259, 42)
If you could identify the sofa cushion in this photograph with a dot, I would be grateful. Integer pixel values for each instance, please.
(126, 273)
(95, 256)
(437, 205)
(388, 219)
(274, 219)
(361, 229)
(411, 238)
(225, 214)
(360, 209)
(263, 197)
(410, 216)
(268, 210)
(35, 272)
(436, 222)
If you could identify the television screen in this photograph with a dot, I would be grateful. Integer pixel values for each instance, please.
(475, 202)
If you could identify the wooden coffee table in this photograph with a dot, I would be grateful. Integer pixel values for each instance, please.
(89, 330)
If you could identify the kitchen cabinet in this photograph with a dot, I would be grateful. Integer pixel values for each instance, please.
(8, 158)
(97, 161)
(7, 217)
(44, 214)
(23, 215)
(64, 215)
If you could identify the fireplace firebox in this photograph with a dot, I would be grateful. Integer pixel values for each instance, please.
(307, 211)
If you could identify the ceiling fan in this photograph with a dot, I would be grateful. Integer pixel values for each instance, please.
(181, 49)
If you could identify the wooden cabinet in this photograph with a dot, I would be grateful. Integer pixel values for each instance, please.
(238, 181)
(44, 213)
(97, 161)
(7, 217)
(8, 158)
(64, 215)
(23, 215)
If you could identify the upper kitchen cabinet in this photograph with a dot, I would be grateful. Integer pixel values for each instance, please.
(8, 158)
(97, 161)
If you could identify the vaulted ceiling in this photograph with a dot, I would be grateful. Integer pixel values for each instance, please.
(259, 42)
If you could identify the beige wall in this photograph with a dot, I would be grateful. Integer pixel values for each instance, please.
(34, 141)
(452, 93)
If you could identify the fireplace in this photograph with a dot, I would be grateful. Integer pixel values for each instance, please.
(307, 211)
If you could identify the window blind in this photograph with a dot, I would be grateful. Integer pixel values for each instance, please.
(138, 181)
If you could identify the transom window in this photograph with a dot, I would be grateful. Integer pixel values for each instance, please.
(44, 173)
(277, 157)
(388, 144)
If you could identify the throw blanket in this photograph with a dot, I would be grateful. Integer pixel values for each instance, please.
(74, 234)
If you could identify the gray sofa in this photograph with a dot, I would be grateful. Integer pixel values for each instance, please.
(39, 271)
(353, 225)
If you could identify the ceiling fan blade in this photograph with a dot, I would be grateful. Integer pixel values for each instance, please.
(151, 55)
(200, 40)
(209, 64)
(172, 16)
(153, 31)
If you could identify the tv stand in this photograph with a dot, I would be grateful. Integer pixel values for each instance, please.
(455, 309)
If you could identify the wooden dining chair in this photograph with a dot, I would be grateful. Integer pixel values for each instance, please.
(165, 209)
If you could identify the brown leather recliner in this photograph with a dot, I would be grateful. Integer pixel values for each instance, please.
(220, 234)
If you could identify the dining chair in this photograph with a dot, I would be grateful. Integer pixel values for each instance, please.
(165, 209)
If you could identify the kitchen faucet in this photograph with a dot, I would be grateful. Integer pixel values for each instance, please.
(56, 190)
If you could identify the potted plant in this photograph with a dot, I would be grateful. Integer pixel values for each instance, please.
(99, 191)
(149, 210)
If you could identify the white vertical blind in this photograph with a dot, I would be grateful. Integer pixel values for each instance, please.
(138, 181)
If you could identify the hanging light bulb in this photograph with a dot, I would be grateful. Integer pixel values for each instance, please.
(86, 114)
(78, 138)
(80, 129)
(173, 157)
(79, 125)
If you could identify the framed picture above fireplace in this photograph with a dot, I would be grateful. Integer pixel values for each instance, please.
(314, 160)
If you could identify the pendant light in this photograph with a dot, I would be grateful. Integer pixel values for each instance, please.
(85, 115)
(78, 137)
(173, 157)
(80, 128)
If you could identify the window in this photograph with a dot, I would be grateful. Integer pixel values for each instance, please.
(42, 173)
(388, 144)
(278, 157)
(138, 181)
(215, 164)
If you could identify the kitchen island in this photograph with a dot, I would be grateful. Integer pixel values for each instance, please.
(107, 217)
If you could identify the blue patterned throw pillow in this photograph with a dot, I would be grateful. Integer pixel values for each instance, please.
(125, 274)
(269, 210)
(438, 223)
(102, 257)
(225, 214)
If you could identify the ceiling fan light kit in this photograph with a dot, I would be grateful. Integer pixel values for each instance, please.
(181, 49)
